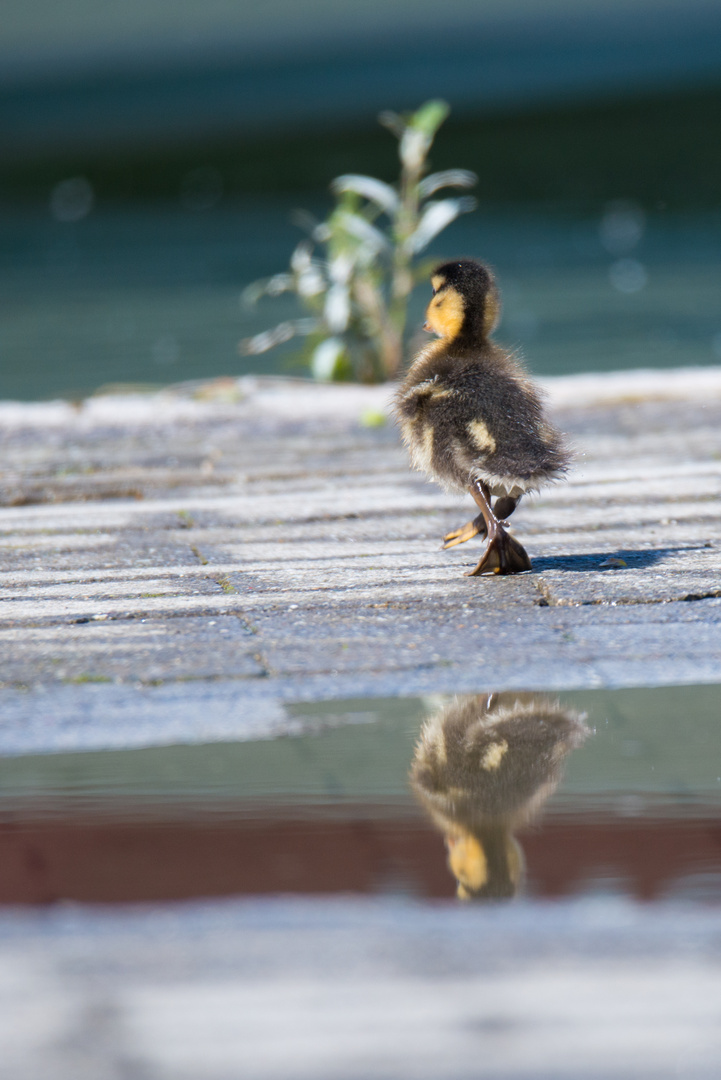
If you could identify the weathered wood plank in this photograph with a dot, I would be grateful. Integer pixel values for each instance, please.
(304, 990)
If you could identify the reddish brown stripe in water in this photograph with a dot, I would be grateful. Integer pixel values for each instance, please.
(111, 861)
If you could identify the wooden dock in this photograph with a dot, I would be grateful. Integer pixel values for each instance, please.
(213, 550)
(176, 567)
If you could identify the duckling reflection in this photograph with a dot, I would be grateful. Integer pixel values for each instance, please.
(483, 767)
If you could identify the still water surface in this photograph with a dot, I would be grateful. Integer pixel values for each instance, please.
(152, 295)
(486, 796)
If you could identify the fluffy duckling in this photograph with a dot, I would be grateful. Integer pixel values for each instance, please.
(483, 767)
(471, 418)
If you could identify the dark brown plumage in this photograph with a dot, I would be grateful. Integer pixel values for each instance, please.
(483, 767)
(472, 419)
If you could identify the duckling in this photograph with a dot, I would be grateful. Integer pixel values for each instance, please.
(471, 418)
(483, 767)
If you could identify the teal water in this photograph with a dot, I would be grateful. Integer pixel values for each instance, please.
(615, 792)
(658, 744)
(152, 295)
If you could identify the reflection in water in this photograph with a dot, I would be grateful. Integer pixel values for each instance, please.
(483, 767)
(328, 810)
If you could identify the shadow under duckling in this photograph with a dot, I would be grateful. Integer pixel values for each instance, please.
(483, 767)
(472, 419)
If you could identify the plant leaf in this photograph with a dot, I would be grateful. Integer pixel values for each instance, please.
(310, 282)
(393, 122)
(325, 359)
(434, 219)
(429, 117)
(337, 308)
(420, 132)
(362, 230)
(272, 286)
(282, 332)
(413, 148)
(340, 268)
(368, 187)
(462, 178)
(304, 220)
(300, 259)
(322, 233)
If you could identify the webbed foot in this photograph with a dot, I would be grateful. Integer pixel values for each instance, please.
(477, 527)
(503, 555)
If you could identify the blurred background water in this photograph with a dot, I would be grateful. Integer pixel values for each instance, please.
(152, 159)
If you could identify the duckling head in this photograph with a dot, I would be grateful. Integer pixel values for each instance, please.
(465, 304)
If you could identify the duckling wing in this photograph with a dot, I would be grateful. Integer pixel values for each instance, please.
(490, 424)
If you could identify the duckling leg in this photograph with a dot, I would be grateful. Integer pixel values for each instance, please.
(503, 509)
(503, 554)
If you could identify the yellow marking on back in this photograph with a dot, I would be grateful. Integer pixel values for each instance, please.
(481, 436)
(446, 312)
(494, 755)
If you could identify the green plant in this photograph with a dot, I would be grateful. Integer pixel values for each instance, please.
(356, 271)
